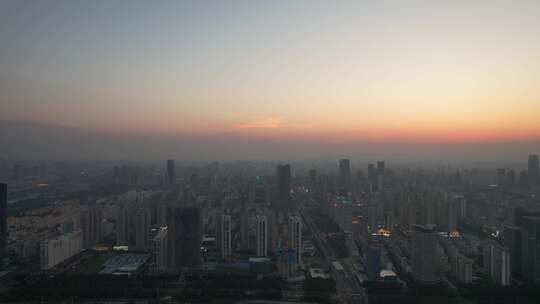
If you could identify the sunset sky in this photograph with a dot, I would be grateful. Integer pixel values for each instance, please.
(387, 71)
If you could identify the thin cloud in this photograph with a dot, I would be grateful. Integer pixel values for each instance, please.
(266, 123)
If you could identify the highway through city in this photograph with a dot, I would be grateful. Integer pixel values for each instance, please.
(348, 288)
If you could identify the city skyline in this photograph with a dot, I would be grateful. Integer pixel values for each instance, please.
(277, 152)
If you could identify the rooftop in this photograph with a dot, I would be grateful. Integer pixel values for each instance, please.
(124, 264)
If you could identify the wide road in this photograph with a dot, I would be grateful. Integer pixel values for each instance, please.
(348, 289)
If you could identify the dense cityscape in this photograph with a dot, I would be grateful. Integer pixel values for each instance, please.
(269, 152)
(341, 233)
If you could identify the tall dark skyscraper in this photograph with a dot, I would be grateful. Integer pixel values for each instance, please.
(244, 230)
(533, 169)
(380, 167)
(373, 261)
(284, 186)
(345, 174)
(184, 238)
(224, 233)
(529, 221)
(91, 226)
(123, 225)
(3, 218)
(510, 178)
(171, 174)
(313, 182)
(372, 175)
(515, 239)
(425, 257)
(380, 175)
(531, 224)
(262, 235)
(501, 177)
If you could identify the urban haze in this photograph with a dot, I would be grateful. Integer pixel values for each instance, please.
(269, 152)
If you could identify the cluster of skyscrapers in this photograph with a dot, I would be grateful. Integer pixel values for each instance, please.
(409, 223)
(523, 242)
(506, 178)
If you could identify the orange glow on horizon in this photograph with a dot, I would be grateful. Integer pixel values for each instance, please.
(279, 129)
(404, 135)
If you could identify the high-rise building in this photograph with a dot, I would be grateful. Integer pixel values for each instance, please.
(251, 192)
(345, 174)
(454, 214)
(503, 259)
(122, 226)
(510, 178)
(425, 258)
(501, 177)
(262, 236)
(359, 181)
(380, 182)
(224, 236)
(380, 167)
(161, 217)
(380, 175)
(374, 214)
(170, 179)
(258, 192)
(515, 239)
(55, 251)
(3, 218)
(91, 221)
(373, 261)
(313, 182)
(68, 225)
(51, 253)
(372, 176)
(323, 191)
(461, 205)
(184, 238)
(407, 218)
(462, 268)
(533, 171)
(496, 261)
(142, 227)
(531, 224)
(359, 175)
(274, 226)
(448, 214)
(161, 250)
(295, 237)
(244, 230)
(285, 262)
(284, 186)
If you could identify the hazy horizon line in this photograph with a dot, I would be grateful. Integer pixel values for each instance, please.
(264, 137)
